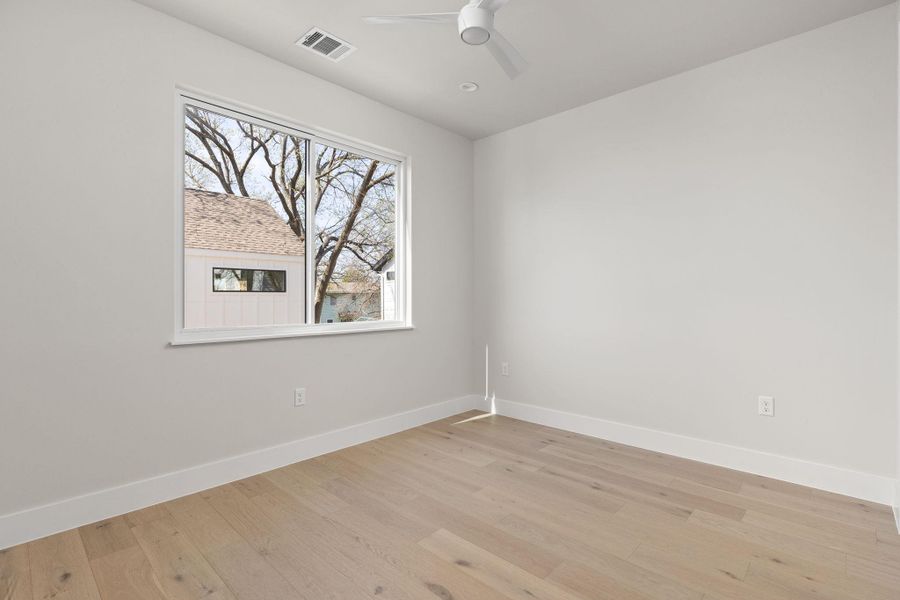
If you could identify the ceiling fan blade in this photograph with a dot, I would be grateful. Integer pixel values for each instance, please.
(412, 19)
(491, 5)
(506, 55)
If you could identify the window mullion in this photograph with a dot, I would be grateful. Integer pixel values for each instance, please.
(311, 193)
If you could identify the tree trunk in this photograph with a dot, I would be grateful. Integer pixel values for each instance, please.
(342, 240)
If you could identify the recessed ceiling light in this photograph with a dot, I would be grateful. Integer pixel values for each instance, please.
(469, 86)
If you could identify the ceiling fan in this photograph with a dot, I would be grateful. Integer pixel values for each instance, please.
(476, 27)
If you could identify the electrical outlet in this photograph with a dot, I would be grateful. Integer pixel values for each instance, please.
(300, 397)
(504, 369)
(767, 406)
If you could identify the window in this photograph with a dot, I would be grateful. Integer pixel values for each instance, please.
(248, 280)
(266, 202)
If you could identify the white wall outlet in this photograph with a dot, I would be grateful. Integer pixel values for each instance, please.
(504, 369)
(767, 406)
(300, 397)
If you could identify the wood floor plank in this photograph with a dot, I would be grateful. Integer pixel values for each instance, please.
(483, 445)
(362, 468)
(307, 491)
(146, 515)
(126, 574)
(610, 572)
(864, 546)
(703, 551)
(886, 573)
(574, 524)
(859, 531)
(829, 506)
(623, 584)
(807, 580)
(478, 507)
(699, 575)
(15, 574)
(354, 554)
(60, 568)
(244, 571)
(316, 572)
(182, 571)
(375, 506)
(624, 466)
(776, 541)
(495, 572)
(583, 491)
(450, 487)
(106, 537)
(534, 558)
(433, 574)
(467, 453)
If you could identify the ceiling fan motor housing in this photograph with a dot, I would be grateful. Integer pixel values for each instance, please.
(475, 25)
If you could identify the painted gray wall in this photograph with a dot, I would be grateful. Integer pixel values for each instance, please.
(897, 482)
(92, 395)
(726, 233)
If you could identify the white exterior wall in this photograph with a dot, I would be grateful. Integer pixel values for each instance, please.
(388, 293)
(388, 299)
(204, 308)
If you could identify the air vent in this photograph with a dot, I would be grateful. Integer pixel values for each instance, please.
(325, 44)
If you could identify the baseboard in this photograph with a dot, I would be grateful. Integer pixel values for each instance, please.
(41, 521)
(896, 505)
(865, 486)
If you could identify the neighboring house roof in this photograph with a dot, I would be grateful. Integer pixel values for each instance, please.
(214, 221)
(385, 261)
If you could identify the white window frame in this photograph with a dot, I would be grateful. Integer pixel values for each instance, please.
(250, 114)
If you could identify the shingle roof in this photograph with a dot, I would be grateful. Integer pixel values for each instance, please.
(384, 261)
(214, 221)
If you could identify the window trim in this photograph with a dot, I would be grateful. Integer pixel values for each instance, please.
(402, 240)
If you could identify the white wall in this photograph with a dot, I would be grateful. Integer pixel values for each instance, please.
(897, 474)
(92, 396)
(662, 257)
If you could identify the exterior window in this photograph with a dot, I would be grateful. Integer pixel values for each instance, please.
(266, 202)
(355, 230)
(248, 280)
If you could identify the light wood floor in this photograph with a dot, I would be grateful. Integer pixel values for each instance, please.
(477, 507)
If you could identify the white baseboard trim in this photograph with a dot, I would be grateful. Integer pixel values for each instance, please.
(896, 505)
(865, 486)
(41, 521)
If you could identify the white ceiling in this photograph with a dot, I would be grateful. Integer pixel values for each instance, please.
(579, 50)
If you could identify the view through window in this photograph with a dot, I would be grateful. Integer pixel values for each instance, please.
(248, 227)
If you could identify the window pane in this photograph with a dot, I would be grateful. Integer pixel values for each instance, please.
(244, 207)
(355, 237)
(248, 280)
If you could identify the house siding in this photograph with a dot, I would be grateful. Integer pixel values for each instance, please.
(204, 308)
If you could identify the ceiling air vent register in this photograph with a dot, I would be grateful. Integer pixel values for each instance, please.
(325, 44)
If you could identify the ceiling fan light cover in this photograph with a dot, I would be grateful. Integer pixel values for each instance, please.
(475, 36)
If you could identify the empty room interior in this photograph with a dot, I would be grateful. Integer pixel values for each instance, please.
(436, 300)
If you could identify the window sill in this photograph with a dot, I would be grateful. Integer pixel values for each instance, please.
(190, 337)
